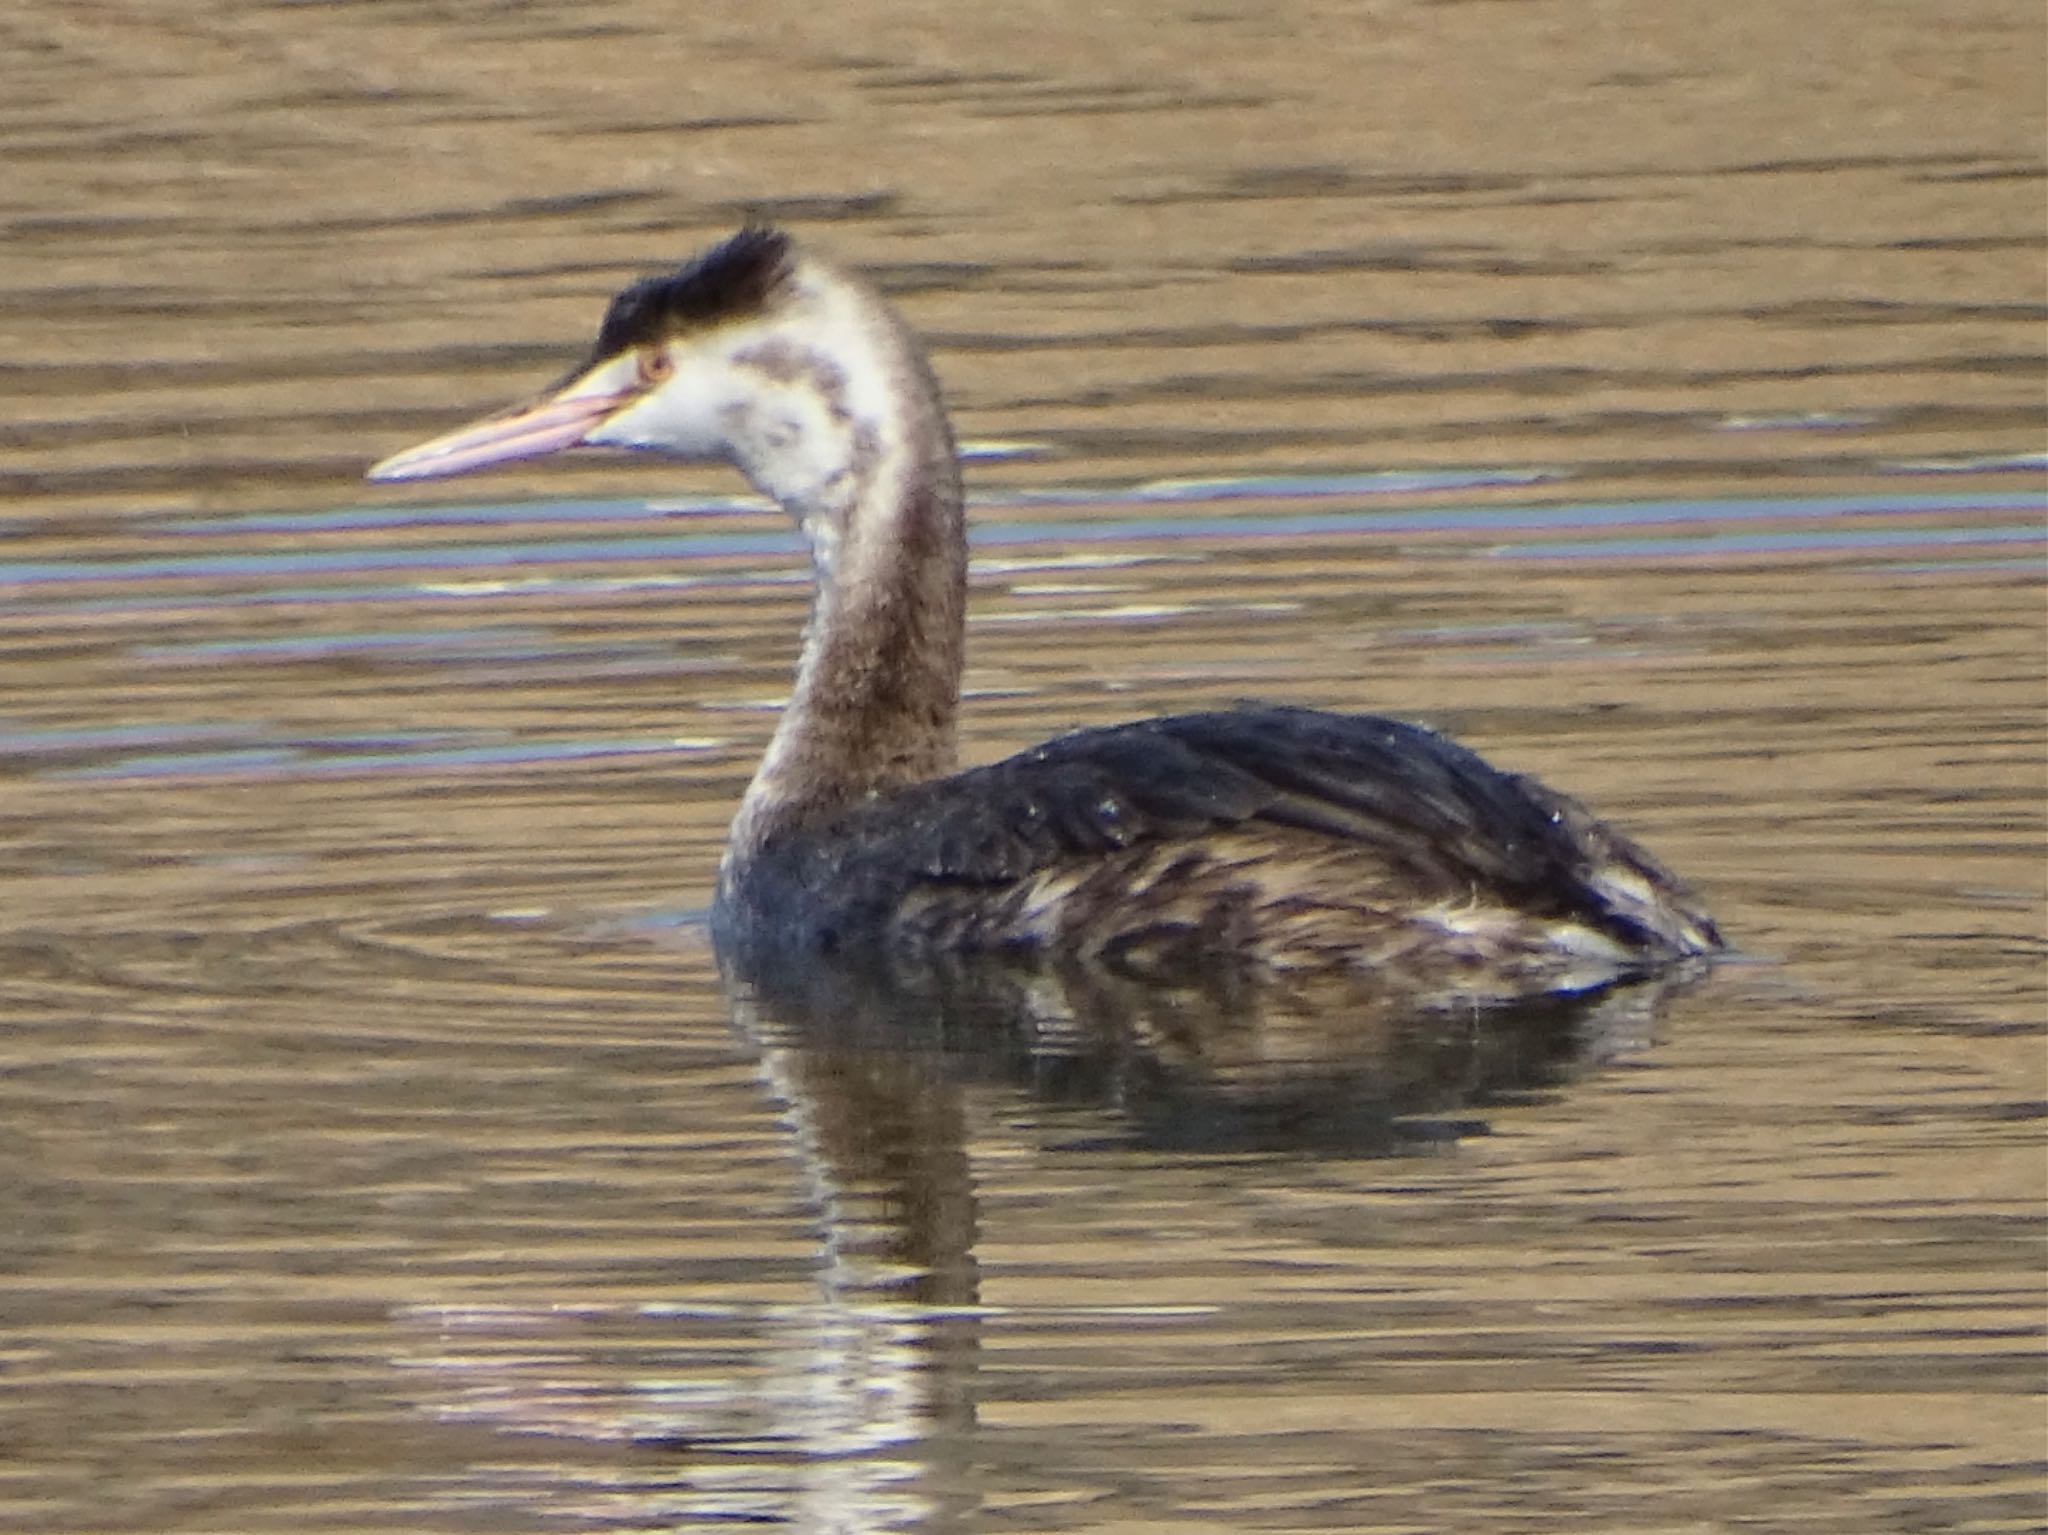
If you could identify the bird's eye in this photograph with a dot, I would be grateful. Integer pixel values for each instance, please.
(655, 366)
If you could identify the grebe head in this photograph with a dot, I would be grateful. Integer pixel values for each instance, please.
(753, 353)
(803, 377)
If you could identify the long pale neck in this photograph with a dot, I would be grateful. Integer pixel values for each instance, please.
(878, 684)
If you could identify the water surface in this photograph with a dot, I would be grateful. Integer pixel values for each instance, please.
(1658, 411)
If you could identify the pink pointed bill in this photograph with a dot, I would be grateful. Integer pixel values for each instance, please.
(551, 425)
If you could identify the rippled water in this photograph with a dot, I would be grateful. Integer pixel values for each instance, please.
(1657, 408)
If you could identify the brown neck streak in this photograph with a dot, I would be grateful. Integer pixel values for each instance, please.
(878, 684)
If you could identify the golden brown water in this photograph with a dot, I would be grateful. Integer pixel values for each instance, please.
(1653, 398)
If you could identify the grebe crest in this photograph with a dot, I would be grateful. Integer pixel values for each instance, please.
(1283, 839)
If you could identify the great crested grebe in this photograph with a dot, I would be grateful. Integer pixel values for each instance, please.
(1285, 839)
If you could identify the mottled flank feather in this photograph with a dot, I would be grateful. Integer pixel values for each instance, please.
(1288, 840)
(733, 280)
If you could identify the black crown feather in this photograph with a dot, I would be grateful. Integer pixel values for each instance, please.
(734, 278)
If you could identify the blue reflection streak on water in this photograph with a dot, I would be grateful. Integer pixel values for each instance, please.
(435, 557)
(1724, 544)
(490, 643)
(23, 741)
(1842, 524)
(287, 761)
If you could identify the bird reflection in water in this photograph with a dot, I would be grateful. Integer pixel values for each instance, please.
(876, 1064)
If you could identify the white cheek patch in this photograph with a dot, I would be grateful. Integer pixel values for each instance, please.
(681, 417)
